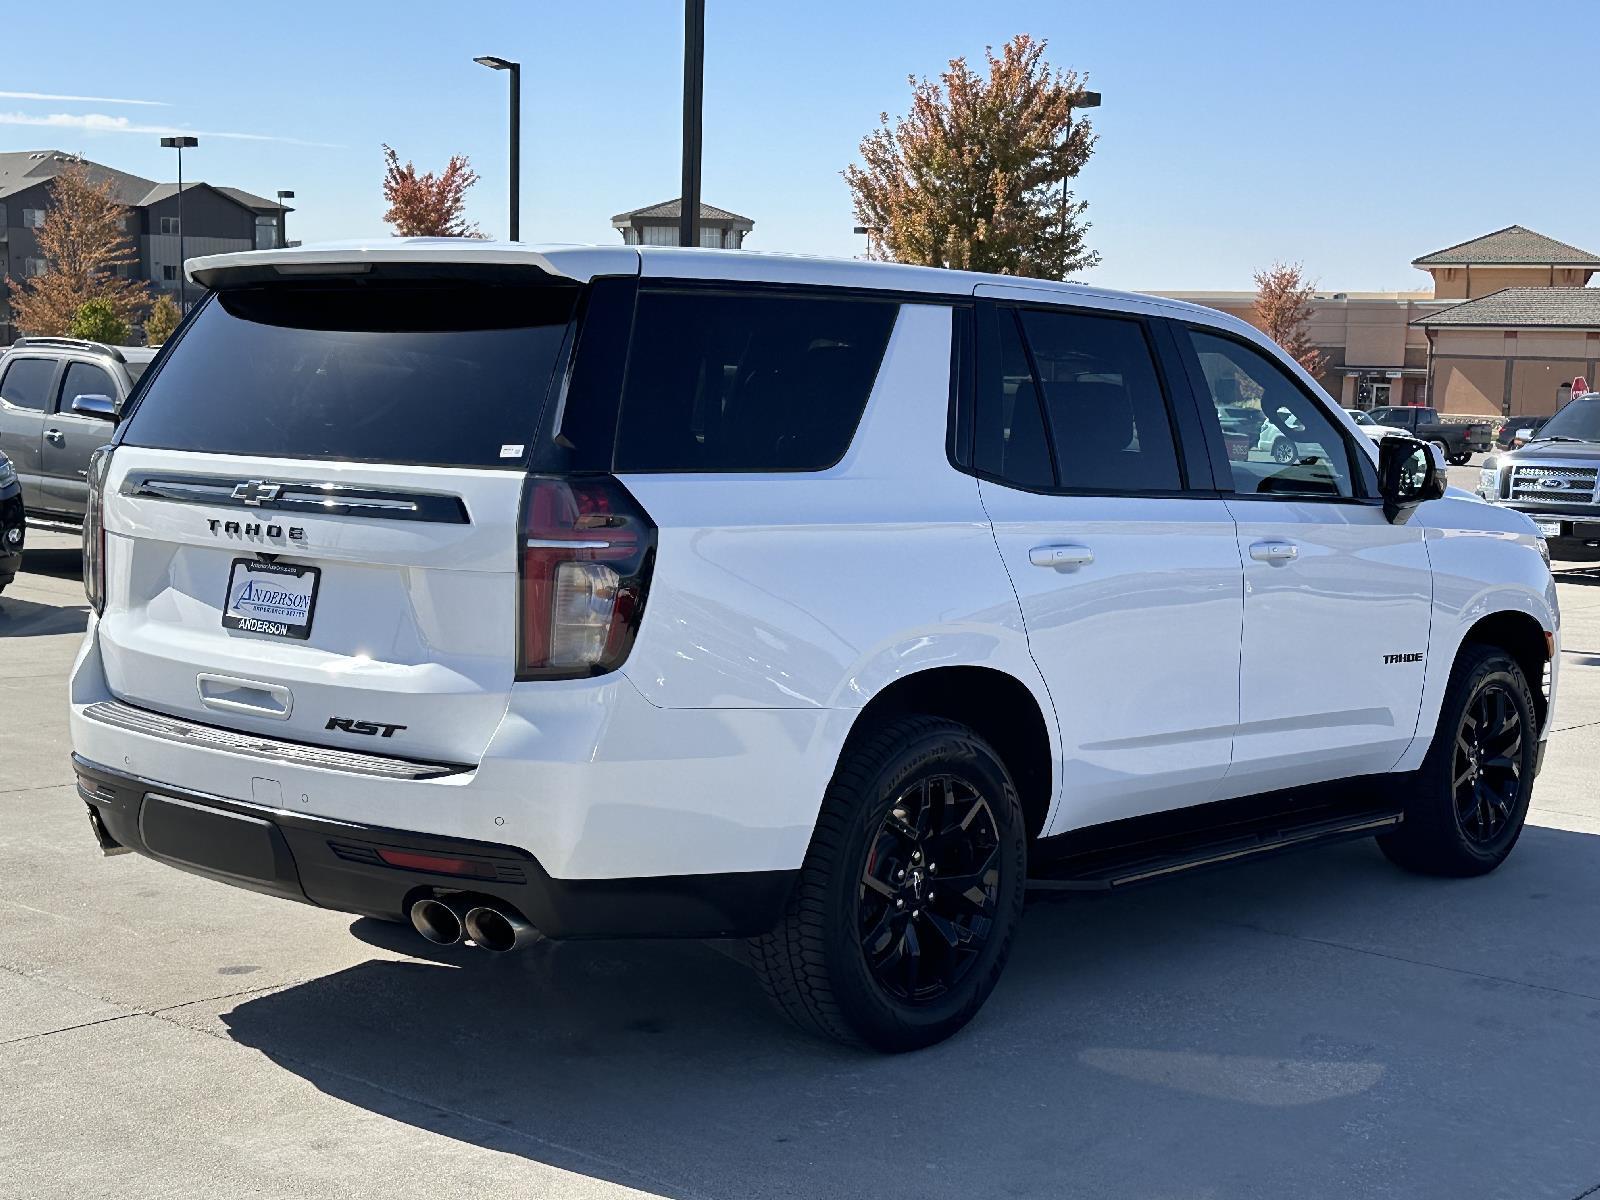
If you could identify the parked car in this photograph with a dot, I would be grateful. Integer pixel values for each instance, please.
(1458, 442)
(13, 523)
(1286, 439)
(1370, 427)
(1518, 431)
(59, 398)
(1553, 479)
(828, 604)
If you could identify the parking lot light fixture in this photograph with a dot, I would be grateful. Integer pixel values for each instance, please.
(515, 69)
(180, 144)
(283, 216)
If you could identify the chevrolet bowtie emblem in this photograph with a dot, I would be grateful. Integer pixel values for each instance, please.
(256, 491)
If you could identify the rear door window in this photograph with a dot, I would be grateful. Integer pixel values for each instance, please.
(26, 383)
(429, 374)
(749, 381)
(1009, 443)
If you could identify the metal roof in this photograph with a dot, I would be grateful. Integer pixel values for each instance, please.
(1523, 308)
(671, 210)
(1513, 246)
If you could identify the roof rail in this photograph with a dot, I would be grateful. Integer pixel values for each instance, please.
(68, 343)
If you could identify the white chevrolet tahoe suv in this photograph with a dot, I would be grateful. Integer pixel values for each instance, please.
(620, 592)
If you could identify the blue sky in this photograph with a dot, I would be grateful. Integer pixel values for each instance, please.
(1351, 136)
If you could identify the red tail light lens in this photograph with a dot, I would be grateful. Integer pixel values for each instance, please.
(94, 530)
(587, 551)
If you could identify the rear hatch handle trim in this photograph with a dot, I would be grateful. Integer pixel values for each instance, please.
(299, 496)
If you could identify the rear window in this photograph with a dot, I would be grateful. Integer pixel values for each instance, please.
(450, 375)
(748, 382)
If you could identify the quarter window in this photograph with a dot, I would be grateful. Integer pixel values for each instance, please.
(1104, 403)
(747, 382)
(1279, 440)
(27, 383)
(1009, 443)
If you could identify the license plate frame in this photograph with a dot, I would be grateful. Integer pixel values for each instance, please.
(273, 618)
(1548, 529)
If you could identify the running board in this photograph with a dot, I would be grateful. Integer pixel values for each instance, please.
(1128, 865)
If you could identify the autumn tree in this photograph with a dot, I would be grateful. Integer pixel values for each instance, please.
(83, 242)
(425, 204)
(975, 176)
(1283, 311)
(163, 319)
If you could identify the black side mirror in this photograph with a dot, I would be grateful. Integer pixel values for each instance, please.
(1409, 472)
(103, 407)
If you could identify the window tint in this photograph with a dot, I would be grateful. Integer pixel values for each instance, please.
(1296, 448)
(85, 379)
(749, 382)
(441, 375)
(1009, 439)
(1103, 399)
(27, 383)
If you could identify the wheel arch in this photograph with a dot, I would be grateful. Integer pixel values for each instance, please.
(999, 707)
(1522, 637)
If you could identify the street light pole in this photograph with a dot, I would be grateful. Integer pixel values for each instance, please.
(505, 64)
(180, 144)
(1085, 100)
(283, 216)
(694, 75)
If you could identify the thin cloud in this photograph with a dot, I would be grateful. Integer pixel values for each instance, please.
(102, 123)
(81, 99)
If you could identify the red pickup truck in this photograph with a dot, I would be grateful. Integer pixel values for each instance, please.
(1460, 441)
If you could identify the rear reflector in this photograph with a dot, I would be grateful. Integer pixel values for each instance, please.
(437, 863)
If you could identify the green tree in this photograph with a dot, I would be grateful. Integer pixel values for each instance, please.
(975, 176)
(163, 319)
(97, 321)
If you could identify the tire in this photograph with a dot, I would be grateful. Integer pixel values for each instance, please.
(1459, 460)
(815, 965)
(1457, 823)
(1283, 451)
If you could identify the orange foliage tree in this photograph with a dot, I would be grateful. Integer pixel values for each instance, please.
(975, 176)
(425, 204)
(1283, 311)
(83, 242)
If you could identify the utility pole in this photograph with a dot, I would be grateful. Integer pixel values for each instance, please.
(694, 72)
(1085, 100)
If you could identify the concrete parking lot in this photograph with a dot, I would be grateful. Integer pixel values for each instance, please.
(1319, 1025)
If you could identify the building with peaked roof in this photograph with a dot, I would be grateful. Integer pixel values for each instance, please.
(657, 225)
(1506, 327)
(219, 219)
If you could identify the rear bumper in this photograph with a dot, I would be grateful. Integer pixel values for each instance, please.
(337, 865)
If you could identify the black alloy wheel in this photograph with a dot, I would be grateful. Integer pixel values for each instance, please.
(927, 897)
(1488, 764)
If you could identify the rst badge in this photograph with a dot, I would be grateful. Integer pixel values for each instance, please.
(276, 599)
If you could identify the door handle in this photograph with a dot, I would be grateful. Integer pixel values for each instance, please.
(55, 437)
(1061, 558)
(1274, 552)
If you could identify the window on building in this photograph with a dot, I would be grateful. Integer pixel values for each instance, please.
(169, 226)
(33, 218)
(660, 235)
(711, 237)
(630, 236)
(169, 272)
(753, 381)
(266, 233)
(32, 267)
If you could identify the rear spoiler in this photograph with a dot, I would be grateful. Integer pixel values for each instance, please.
(414, 258)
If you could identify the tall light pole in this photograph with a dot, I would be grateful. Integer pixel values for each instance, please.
(1085, 100)
(694, 78)
(283, 216)
(180, 144)
(505, 64)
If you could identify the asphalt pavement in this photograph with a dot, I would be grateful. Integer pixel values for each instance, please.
(1315, 1026)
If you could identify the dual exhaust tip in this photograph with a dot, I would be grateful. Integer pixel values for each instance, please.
(444, 921)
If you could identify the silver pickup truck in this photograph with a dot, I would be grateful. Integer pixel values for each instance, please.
(59, 398)
(1553, 478)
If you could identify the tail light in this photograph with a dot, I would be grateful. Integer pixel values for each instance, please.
(587, 551)
(94, 531)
